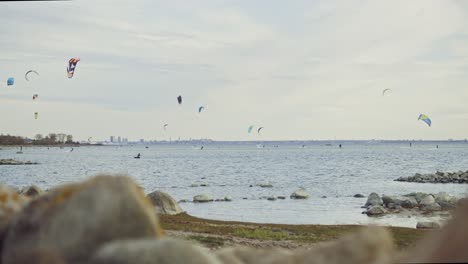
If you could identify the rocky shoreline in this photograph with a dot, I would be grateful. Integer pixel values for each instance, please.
(418, 203)
(438, 177)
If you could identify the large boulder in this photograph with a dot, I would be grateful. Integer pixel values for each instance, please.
(299, 194)
(149, 251)
(164, 203)
(373, 199)
(202, 198)
(429, 204)
(375, 210)
(445, 201)
(31, 191)
(442, 197)
(74, 220)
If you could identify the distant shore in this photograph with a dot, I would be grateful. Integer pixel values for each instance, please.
(50, 146)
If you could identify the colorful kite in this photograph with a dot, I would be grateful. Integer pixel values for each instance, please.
(71, 66)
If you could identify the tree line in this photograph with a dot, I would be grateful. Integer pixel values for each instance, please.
(39, 139)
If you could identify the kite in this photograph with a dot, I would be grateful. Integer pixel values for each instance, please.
(250, 129)
(179, 99)
(28, 72)
(200, 109)
(36, 115)
(35, 96)
(425, 118)
(258, 131)
(10, 81)
(71, 66)
(384, 91)
(165, 125)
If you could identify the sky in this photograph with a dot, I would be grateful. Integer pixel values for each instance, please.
(303, 70)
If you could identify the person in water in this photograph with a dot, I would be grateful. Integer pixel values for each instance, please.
(138, 156)
(340, 146)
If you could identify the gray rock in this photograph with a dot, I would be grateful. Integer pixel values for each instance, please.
(183, 201)
(264, 185)
(76, 219)
(149, 251)
(359, 195)
(281, 197)
(374, 199)
(227, 199)
(427, 225)
(448, 205)
(417, 195)
(403, 201)
(431, 207)
(393, 206)
(375, 210)
(164, 203)
(428, 200)
(443, 197)
(202, 198)
(194, 185)
(299, 194)
(407, 202)
(271, 198)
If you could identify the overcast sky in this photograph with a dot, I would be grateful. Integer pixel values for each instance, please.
(301, 69)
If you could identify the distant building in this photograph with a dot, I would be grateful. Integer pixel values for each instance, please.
(119, 139)
(112, 139)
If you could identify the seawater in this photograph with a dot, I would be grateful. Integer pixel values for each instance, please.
(230, 169)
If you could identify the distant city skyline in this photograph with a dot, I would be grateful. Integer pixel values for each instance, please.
(302, 70)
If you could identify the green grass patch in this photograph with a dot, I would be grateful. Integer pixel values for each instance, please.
(260, 234)
(211, 242)
(309, 234)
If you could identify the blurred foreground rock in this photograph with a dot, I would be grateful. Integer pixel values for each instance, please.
(31, 191)
(372, 245)
(74, 220)
(149, 251)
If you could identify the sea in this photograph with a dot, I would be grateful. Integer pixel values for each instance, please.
(331, 175)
